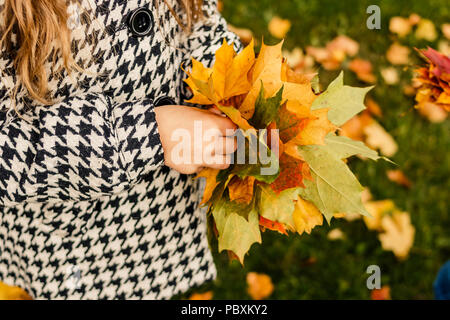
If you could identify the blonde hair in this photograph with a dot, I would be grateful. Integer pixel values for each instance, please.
(41, 33)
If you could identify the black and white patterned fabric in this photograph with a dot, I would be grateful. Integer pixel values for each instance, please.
(87, 208)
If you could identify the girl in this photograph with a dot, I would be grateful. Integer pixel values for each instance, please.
(92, 205)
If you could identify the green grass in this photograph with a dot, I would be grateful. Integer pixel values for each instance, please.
(311, 266)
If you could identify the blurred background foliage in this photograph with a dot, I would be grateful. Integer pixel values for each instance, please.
(312, 266)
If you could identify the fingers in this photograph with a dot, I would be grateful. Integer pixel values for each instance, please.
(225, 125)
(219, 161)
(218, 154)
(216, 111)
(225, 146)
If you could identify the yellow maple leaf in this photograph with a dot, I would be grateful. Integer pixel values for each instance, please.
(222, 65)
(299, 98)
(398, 235)
(294, 76)
(426, 30)
(398, 54)
(211, 182)
(259, 285)
(237, 82)
(267, 71)
(226, 79)
(278, 27)
(306, 216)
(200, 73)
(236, 117)
(401, 26)
(377, 210)
(378, 138)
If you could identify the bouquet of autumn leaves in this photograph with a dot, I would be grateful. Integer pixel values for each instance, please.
(434, 80)
(311, 179)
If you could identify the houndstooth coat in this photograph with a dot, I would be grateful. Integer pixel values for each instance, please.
(87, 208)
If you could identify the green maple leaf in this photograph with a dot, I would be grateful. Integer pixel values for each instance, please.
(266, 110)
(343, 148)
(277, 207)
(342, 101)
(334, 188)
(238, 227)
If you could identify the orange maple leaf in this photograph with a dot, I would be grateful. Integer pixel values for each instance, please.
(314, 131)
(272, 225)
(241, 190)
(291, 174)
(260, 285)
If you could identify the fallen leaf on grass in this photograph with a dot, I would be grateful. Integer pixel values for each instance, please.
(399, 177)
(446, 30)
(414, 19)
(377, 210)
(444, 47)
(373, 107)
(363, 70)
(378, 138)
(343, 43)
(352, 216)
(335, 234)
(299, 61)
(409, 90)
(278, 27)
(399, 25)
(366, 195)
(381, 294)
(426, 30)
(259, 285)
(220, 5)
(398, 235)
(245, 35)
(335, 52)
(398, 54)
(390, 75)
(433, 112)
(208, 295)
(354, 128)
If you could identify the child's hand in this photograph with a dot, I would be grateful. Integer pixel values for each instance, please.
(193, 138)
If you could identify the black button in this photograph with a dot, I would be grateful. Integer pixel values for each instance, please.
(164, 101)
(140, 22)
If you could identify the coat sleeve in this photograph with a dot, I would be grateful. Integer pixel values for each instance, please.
(206, 38)
(81, 148)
